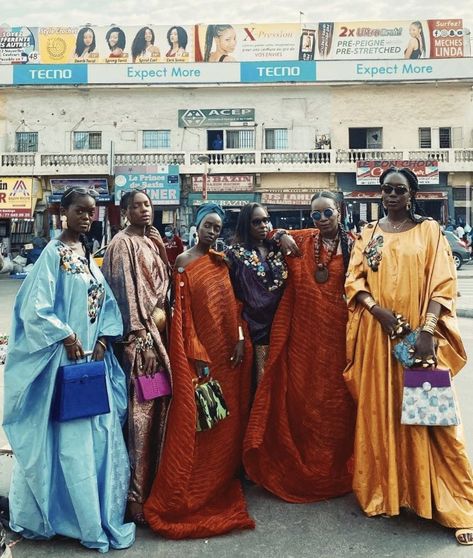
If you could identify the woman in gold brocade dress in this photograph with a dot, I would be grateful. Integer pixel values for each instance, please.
(136, 268)
(402, 264)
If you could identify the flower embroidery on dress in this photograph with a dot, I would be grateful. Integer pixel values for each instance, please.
(373, 253)
(96, 294)
(70, 261)
(275, 261)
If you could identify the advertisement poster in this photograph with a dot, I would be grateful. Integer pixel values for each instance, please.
(162, 183)
(368, 172)
(252, 42)
(15, 197)
(18, 45)
(441, 38)
(116, 44)
(98, 186)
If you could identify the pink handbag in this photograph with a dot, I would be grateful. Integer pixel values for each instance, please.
(151, 387)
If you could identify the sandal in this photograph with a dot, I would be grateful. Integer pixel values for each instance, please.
(464, 536)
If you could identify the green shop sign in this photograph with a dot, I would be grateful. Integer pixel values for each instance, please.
(205, 118)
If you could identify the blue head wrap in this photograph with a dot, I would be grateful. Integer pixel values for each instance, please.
(207, 208)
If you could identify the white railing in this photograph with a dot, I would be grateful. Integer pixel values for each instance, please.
(150, 158)
(224, 158)
(321, 160)
(74, 160)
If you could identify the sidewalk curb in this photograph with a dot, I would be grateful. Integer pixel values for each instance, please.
(465, 312)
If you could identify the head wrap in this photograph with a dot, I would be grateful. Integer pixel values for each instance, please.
(207, 208)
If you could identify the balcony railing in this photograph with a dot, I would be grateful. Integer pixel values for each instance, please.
(228, 161)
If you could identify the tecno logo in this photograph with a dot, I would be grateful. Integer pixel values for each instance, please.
(57, 75)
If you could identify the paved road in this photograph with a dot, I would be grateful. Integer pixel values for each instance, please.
(329, 529)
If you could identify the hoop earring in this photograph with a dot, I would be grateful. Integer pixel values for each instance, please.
(408, 205)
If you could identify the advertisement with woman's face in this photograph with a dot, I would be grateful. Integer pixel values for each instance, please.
(252, 42)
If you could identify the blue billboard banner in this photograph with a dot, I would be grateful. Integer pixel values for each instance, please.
(273, 72)
(162, 183)
(57, 74)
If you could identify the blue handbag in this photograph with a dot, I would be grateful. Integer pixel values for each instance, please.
(80, 391)
(404, 350)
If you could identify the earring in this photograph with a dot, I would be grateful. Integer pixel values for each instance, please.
(408, 205)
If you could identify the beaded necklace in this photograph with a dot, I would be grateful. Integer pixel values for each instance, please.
(321, 266)
(274, 259)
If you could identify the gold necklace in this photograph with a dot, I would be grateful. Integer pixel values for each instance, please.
(397, 227)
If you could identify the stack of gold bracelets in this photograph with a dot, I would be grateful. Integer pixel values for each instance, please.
(430, 323)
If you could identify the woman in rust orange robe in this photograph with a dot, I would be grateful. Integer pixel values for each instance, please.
(300, 435)
(197, 492)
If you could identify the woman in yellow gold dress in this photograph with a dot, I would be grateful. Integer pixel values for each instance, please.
(403, 265)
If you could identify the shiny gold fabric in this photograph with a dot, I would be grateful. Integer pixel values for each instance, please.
(261, 355)
(422, 468)
(139, 280)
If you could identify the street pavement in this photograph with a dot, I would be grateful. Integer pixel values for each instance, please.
(336, 528)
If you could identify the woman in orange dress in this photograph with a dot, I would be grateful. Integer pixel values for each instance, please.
(403, 263)
(300, 435)
(197, 492)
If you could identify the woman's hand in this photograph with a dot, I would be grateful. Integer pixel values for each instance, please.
(289, 246)
(148, 362)
(238, 353)
(386, 318)
(154, 236)
(425, 350)
(99, 351)
(73, 347)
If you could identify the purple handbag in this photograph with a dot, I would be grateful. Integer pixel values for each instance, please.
(151, 387)
(428, 398)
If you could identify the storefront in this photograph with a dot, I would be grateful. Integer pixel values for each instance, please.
(363, 201)
(18, 198)
(230, 191)
(287, 196)
(100, 229)
(162, 184)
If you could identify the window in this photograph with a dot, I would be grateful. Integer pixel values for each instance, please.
(425, 138)
(365, 138)
(240, 139)
(156, 139)
(26, 141)
(275, 138)
(445, 138)
(87, 140)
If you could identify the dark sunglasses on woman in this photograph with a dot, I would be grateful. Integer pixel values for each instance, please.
(398, 188)
(257, 222)
(91, 192)
(317, 215)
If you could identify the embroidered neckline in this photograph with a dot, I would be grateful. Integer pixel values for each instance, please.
(275, 261)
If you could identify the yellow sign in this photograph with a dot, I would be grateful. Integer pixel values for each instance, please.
(16, 197)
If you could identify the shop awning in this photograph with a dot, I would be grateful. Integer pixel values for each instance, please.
(360, 195)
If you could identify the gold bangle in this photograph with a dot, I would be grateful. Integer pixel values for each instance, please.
(71, 344)
(241, 337)
(104, 345)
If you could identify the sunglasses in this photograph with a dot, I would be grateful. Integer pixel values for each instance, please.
(398, 188)
(257, 222)
(84, 191)
(327, 213)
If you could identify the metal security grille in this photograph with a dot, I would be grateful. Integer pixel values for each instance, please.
(26, 141)
(156, 139)
(87, 140)
(445, 138)
(425, 138)
(276, 138)
(241, 139)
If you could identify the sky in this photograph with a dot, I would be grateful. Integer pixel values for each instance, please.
(134, 12)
